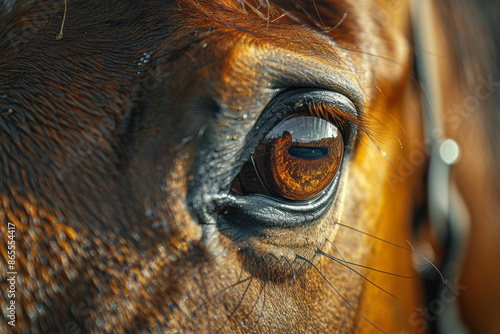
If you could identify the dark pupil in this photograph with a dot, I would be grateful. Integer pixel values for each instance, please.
(308, 153)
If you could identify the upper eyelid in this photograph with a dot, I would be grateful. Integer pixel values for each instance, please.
(340, 110)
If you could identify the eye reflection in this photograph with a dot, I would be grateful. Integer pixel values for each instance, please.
(296, 160)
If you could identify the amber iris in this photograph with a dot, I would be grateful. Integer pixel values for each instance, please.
(298, 159)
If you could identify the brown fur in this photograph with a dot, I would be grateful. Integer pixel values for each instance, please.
(101, 144)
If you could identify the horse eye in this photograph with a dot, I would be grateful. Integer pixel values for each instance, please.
(297, 160)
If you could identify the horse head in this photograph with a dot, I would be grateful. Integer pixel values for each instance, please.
(243, 166)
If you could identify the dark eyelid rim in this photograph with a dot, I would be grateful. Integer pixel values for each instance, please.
(327, 97)
(283, 104)
(270, 211)
(294, 101)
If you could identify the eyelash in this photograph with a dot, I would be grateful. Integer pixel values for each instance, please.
(340, 117)
(363, 123)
